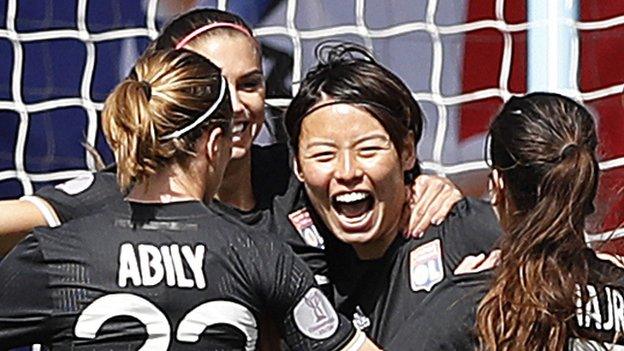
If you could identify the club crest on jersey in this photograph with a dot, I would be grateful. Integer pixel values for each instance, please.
(314, 316)
(76, 185)
(425, 266)
(305, 227)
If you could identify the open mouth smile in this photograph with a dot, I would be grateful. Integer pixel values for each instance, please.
(354, 209)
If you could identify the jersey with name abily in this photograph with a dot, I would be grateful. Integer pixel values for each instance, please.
(381, 295)
(277, 192)
(160, 277)
(446, 321)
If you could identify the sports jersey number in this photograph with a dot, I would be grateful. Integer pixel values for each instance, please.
(156, 324)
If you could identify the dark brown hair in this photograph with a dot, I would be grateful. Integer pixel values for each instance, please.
(544, 147)
(349, 73)
(166, 91)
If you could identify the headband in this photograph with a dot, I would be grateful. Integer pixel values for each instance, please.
(211, 26)
(201, 118)
(409, 125)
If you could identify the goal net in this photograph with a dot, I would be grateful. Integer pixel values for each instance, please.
(462, 60)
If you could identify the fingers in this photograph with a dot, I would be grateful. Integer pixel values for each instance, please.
(423, 209)
(432, 199)
(478, 263)
(468, 264)
(446, 199)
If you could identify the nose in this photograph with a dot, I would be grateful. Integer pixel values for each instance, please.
(237, 106)
(348, 167)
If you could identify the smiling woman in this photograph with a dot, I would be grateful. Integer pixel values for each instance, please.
(354, 126)
(354, 175)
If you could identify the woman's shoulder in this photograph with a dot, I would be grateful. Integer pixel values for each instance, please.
(270, 172)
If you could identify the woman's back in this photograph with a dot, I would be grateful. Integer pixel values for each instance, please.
(174, 277)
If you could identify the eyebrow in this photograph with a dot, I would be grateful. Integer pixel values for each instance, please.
(371, 137)
(252, 73)
(320, 143)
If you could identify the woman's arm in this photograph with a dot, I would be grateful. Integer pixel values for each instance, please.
(18, 217)
(360, 342)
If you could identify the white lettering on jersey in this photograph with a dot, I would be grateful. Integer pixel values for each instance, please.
(149, 265)
(425, 266)
(168, 263)
(314, 315)
(77, 185)
(196, 262)
(152, 270)
(218, 312)
(128, 267)
(590, 315)
(106, 307)
(156, 324)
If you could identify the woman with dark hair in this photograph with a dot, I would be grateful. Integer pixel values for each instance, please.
(549, 286)
(354, 126)
(549, 290)
(160, 271)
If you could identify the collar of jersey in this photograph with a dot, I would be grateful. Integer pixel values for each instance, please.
(172, 210)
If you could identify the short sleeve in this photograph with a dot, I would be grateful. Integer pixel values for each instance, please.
(25, 302)
(308, 319)
(471, 228)
(80, 196)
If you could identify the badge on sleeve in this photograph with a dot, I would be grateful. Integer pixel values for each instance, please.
(305, 227)
(314, 315)
(77, 185)
(425, 266)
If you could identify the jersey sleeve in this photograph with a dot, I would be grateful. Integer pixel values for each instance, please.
(308, 319)
(471, 228)
(77, 197)
(25, 303)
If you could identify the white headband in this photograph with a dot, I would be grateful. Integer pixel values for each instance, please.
(201, 118)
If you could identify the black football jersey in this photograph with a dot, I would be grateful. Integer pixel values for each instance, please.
(446, 321)
(91, 192)
(382, 294)
(279, 203)
(79, 197)
(160, 277)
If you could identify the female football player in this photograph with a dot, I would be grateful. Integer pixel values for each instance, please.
(549, 291)
(354, 127)
(255, 175)
(158, 270)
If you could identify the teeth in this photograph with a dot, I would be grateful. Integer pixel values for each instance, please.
(238, 127)
(351, 197)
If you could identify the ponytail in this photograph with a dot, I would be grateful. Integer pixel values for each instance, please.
(544, 147)
(166, 90)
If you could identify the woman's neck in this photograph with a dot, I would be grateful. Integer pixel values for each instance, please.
(170, 185)
(236, 189)
(377, 248)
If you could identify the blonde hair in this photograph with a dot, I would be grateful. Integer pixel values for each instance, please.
(166, 91)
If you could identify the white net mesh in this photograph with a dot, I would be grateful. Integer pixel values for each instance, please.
(293, 26)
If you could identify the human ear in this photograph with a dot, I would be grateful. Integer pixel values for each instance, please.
(297, 170)
(408, 154)
(214, 144)
(496, 186)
